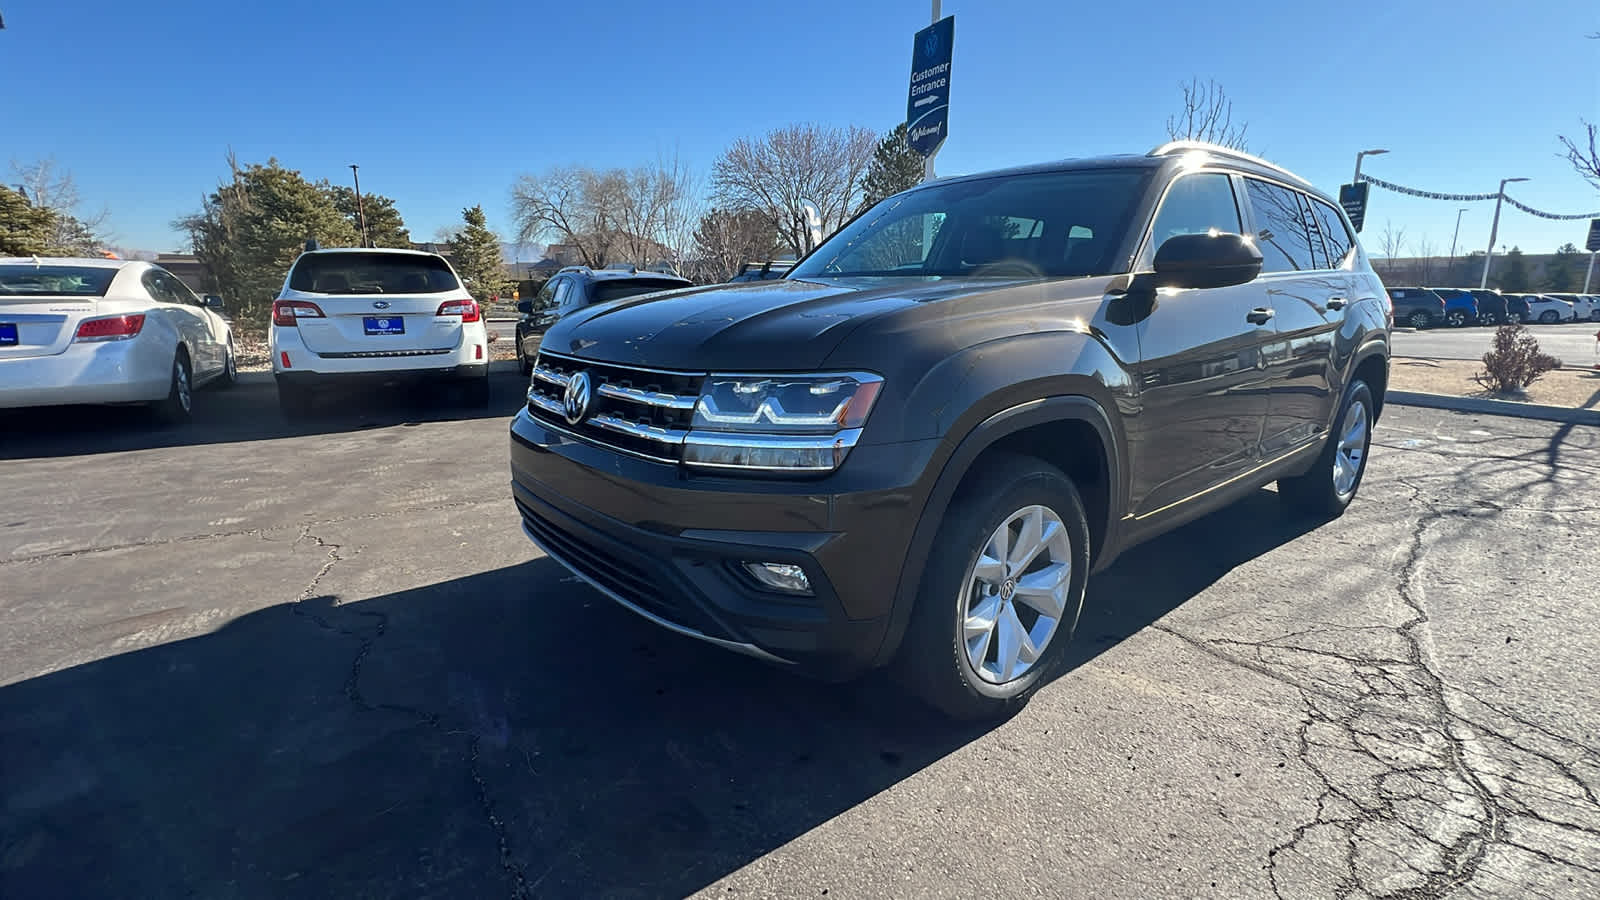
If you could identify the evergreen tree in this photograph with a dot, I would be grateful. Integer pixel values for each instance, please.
(385, 227)
(25, 229)
(895, 167)
(475, 253)
(1561, 273)
(1514, 277)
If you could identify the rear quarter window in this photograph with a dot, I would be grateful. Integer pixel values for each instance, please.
(371, 273)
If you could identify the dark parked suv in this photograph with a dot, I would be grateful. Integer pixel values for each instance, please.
(1493, 308)
(914, 449)
(574, 288)
(1417, 307)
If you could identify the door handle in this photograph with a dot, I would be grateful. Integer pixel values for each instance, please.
(1335, 303)
(1259, 316)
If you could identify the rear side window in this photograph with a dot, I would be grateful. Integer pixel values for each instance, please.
(1334, 235)
(57, 281)
(371, 273)
(1282, 236)
(1196, 204)
(605, 291)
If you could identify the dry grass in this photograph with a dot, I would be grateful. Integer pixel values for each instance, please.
(1574, 387)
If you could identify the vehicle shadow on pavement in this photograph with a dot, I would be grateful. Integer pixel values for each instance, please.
(504, 733)
(246, 412)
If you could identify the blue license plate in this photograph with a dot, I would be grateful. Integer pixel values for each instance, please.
(8, 334)
(384, 324)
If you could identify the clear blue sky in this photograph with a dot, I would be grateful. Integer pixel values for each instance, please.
(444, 104)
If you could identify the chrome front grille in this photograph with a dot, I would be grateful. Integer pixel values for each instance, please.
(643, 412)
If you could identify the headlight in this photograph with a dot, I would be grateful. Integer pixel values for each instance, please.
(779, 422)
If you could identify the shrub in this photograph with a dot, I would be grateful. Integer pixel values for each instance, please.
(1515, 362)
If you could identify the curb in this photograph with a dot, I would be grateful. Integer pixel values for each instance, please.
(1494, 407)
(257, 379)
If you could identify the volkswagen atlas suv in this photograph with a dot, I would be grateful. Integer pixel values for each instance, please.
(913, 450)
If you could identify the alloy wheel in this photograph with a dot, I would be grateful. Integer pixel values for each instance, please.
(1419, 320)
(180, 379)
(1352, 450)
(1015, 594)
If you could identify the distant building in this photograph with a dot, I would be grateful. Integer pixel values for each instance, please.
(188, 269)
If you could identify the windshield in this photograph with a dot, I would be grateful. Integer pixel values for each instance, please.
(1052, 224)
(58, 281)
(371, 273)
(616, 290)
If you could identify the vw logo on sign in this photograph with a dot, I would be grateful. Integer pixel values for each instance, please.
(380, 304)
(575, 402)
(930, 45)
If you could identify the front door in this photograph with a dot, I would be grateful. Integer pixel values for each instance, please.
(1200, 377)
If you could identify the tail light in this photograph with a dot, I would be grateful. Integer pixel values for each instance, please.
(109, 328)
(466, 309)
(285, 312)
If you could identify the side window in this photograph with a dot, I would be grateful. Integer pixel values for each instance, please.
(563, 298)
(179, 290)
(1196, 204)
(1282, 236)
(156, 283)
(1334, 235)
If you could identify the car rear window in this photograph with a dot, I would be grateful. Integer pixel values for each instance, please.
(619, 288)
(371, 273)
(57, 281)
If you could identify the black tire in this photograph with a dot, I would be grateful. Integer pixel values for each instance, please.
(230, 369)
(1549, 317)
(475, 392)
(1316, 493)
(178, 407)
(1594, 315)
(523, 362)
(1419, 320)
(294, 400)
(932, 662)
(1456, 319)
(1486, 319)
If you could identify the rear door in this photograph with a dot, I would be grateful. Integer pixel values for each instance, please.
(376, 303)
(1200, 381)
(41, 306)
(1308, 289)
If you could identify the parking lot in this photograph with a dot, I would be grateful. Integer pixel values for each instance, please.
(248, 659)
(1573, 342)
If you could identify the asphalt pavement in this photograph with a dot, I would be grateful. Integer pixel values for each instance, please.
(247, 660)
(1573, 342)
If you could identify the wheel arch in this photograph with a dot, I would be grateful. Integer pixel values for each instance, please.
(1056, 429)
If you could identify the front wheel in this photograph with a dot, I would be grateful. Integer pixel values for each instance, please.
(230, 369)
(1594, 314)
(1002, 591)
(1419, 320)
(1327, 489)
(523, 362)
(1457, 319)
(1549, 317)
(1486, 319)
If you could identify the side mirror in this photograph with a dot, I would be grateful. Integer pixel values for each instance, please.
(1206, 261)
(525, 307)
(213, 302)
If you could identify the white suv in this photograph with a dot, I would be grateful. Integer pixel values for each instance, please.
(347, 315)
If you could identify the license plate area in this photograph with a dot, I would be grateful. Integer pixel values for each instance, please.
(8, 334)
(383, 324)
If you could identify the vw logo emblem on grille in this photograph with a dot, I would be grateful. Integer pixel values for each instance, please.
(380, 304)
(575, 402)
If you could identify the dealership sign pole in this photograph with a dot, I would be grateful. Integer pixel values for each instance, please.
(928, 103)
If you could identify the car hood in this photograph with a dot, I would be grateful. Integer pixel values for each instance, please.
(786, 325)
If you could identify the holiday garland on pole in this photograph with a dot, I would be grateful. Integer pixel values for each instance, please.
(1470, 198)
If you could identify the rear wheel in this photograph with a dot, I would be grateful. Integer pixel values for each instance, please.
(523, 362)
(1486, 318)
(1002, 591)
(1328, 488)
(1549, 317)
(1594, 314)
(178, 407)
(294, 400)
(1419, 320)
(1456, 318)
(230, 369)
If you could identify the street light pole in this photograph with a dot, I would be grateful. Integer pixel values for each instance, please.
(1589, 274)
(1357, 178)
(1494, 230)
(361, 212)
(1450, 267)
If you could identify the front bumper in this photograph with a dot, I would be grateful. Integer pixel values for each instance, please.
(669, 545)
(132, 371)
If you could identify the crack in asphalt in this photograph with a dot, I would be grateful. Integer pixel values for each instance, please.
(1411, 798)
(352, 690)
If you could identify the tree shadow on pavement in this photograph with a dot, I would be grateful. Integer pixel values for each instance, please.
(245, 412)
(505, 733)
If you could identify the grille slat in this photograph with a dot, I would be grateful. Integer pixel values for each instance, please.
(643, 412)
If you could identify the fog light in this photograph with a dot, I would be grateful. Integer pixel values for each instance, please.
(780, 577)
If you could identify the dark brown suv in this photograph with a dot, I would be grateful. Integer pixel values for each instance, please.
(913, 449)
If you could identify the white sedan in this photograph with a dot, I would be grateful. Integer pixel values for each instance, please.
(1547, 309)
(107, 331)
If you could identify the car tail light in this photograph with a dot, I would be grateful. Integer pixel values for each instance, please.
(285, 312)
(109, 328)
(466, 309)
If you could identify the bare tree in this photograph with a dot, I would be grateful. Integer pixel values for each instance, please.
(727, 239)
(51, 187)
(1207, 115)
(644, 215)
(1391, 245)
(1426, 250)
(793, 168)
(1584, 154)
